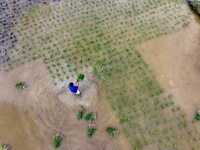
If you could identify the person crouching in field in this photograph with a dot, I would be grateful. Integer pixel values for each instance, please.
(73, 87)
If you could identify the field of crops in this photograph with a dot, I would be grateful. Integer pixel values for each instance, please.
(75, 34)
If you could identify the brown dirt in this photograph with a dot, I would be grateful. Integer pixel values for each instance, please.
(175, 61)
(30, 118)
(20, 133)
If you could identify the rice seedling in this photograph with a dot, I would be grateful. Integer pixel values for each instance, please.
(90, 116)
(80, 113)
(197, 116)
(3, 147)
(112, 131)
(90, 131)
(80, 77)
(57, 140)
(20, 85)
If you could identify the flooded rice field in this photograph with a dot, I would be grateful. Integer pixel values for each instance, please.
(123, 47)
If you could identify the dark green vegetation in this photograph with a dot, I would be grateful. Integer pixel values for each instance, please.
(90, 116)
(20, 85)
(80, 113)
(90, 131)
(57, 140)
(195, 4)
(112, 131)
(102, 34)
(80, 77)
(197, 116)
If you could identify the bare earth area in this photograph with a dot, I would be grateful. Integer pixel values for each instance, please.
(42, 111)
(175, 61)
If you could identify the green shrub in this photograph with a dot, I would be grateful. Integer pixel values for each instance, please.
(90, 116)
(112, 131)
(197, 116)
(20, 85)
(90, 131)
(80, 77)
(57, 140)
(80, 113)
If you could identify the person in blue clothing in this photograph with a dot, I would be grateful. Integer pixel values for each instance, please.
(73, 87)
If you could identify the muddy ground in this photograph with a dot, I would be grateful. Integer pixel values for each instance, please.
(30, 118)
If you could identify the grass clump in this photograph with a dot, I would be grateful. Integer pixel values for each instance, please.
(3, 147)
(90, 116)
(91, 131)
(80, 113)
(20, 85)
(112, 131)
(57, 140)
(197, 116)
(80, 77)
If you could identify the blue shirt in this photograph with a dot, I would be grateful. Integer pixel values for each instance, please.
(73, 89)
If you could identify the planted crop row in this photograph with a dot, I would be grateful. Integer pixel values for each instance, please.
(74, 35)
(148, 117)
